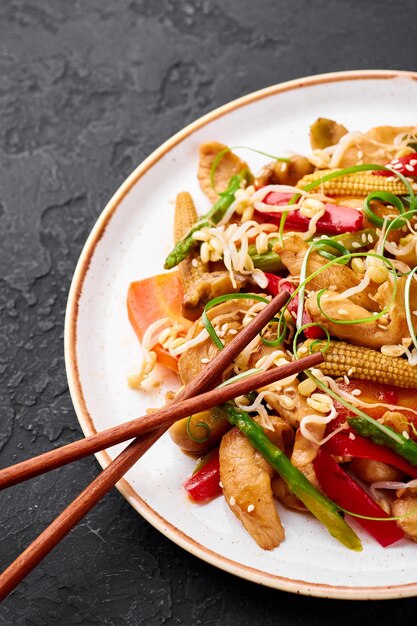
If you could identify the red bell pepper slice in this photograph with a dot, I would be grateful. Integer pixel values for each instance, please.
(335, 220)
(204, 485)
(405, 165)
(362, 448)
(345, 492)
(275, 286)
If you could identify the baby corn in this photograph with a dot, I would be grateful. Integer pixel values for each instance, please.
(344, 359)
(359, 184)
(192, 268)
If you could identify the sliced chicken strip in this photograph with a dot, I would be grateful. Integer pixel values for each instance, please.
(305, 451)
(228, 166)
(246, 479)
(375, 146)
(293, 251)
(293, 414)
(281, 491)
(368, 334)
(406, 504)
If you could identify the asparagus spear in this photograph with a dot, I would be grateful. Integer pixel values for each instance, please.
(353, 241)
(321, 507)
(187, 243)
(385, 436)
(269, 261)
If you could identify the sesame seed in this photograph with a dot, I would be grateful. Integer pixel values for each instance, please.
(342, 312)
(363, 237)
(220, 484)
(194, 263)
(397, 166)
(370, 238)
(356, 244)
(409, 168)
(232, 501)
(394, 161)
(346, 379)
(405, 434)
(356, 392)
(352, 436)
(413, 162)
(351, 371)
(233, 331)
(250, 508)
(205, 360)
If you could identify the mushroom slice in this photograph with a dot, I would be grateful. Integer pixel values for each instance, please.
(209, 286)
(325, 132)
(285, 173)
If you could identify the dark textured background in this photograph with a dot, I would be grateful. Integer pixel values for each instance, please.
(87, 90)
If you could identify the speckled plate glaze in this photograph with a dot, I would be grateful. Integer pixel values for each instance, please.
(130, 241)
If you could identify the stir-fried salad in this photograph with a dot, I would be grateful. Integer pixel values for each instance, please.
(337, 229)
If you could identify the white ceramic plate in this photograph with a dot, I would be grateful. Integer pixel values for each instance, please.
(130, 241)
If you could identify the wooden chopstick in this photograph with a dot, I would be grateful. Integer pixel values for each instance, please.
(62, 525)
(140, 426)
(208, 378)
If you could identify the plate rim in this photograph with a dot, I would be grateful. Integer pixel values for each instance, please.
(75, 386)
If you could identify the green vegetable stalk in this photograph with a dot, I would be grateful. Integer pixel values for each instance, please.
(353, 241)
(367, 426)
(187, 243)
(321, 507)
(269, 261)
(385, 436)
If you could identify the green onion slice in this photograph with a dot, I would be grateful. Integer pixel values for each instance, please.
(221, 154)
(389, 198)
(201, 425)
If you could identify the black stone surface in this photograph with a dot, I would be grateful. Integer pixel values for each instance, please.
(87, 90)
